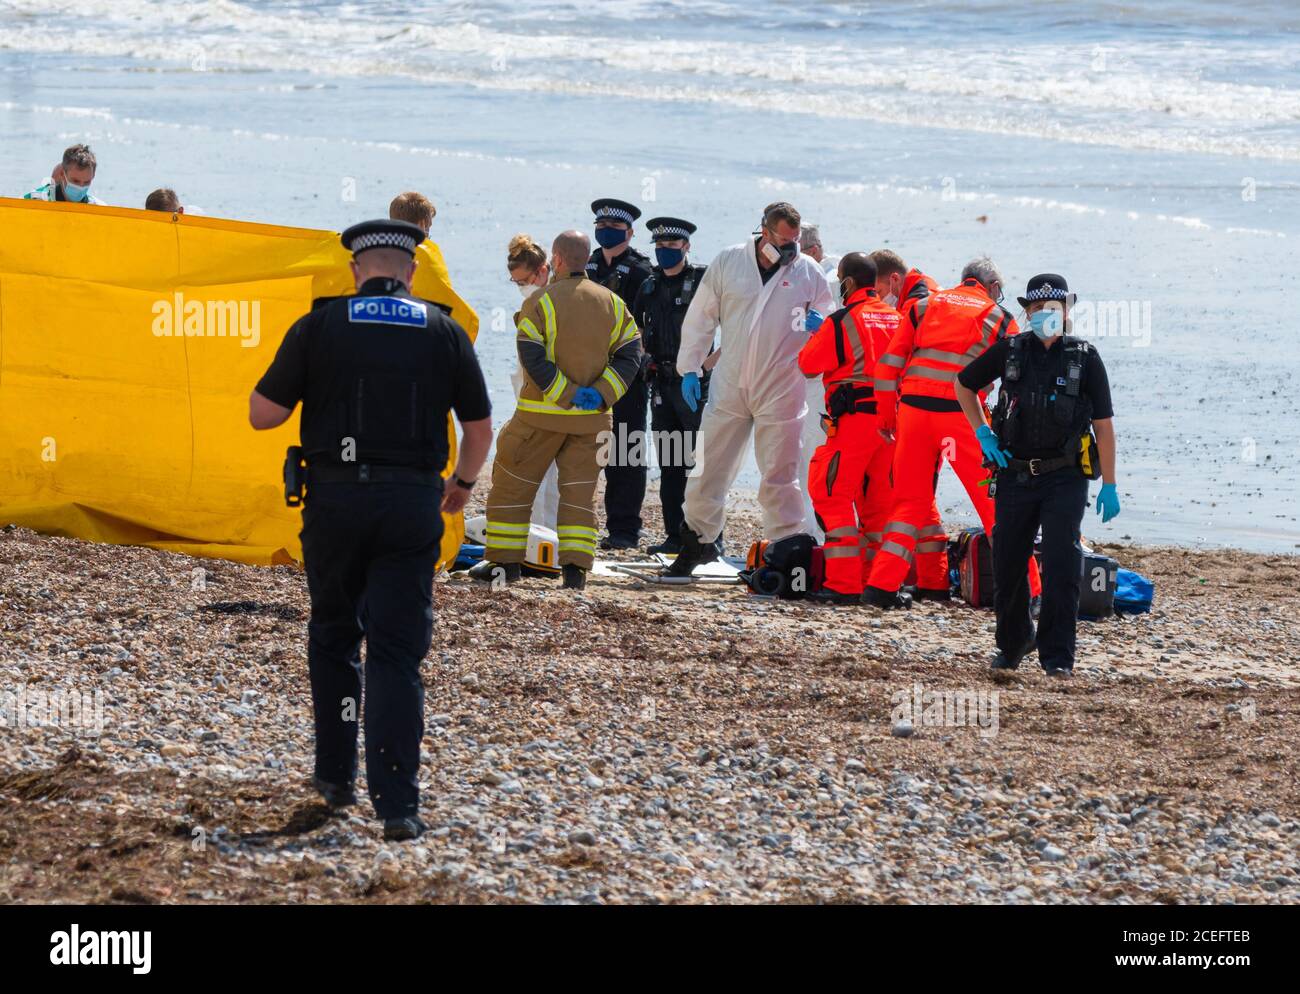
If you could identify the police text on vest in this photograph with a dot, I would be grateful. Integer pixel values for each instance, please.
(387, 310)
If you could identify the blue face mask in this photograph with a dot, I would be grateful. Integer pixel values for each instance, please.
(1045, 324)
(669, 257)
(75, 193)
(610, 238)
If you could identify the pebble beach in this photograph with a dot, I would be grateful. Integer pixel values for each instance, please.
(637, 744)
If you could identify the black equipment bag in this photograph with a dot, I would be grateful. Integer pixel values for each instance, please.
(787, 568)
(1097, 586)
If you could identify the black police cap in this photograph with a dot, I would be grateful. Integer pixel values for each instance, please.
(1047, 286)
(664, 229)
(607, 208)
(382, 233)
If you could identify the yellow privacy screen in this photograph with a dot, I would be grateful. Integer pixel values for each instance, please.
(129, 342)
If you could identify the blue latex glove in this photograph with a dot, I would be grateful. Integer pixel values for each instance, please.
(1107, 502)
(989, 444)
(691, 390)
(588, 398)
(812, 320)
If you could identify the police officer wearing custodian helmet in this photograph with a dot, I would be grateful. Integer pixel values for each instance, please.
(1051, 433)
(659, 308)
(377, 373)
(617, 266)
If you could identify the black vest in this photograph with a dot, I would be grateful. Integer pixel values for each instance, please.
(1042, 410)
(624, 277)
(377, 389)
(664, 300)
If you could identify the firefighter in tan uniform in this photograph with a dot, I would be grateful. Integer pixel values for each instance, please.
(579, 348)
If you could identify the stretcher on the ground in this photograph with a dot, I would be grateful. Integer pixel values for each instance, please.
(723, 571)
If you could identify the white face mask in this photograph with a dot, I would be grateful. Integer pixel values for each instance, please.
(892, 300)
(526, 289)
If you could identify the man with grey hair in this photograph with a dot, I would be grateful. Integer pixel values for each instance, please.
(985, 272)
(934, 342)
(70, 181)
(810, 244)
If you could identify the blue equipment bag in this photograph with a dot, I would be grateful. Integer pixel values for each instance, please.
(469, 555)
(1133, 593)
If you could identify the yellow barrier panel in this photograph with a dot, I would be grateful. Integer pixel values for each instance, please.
(129, 342)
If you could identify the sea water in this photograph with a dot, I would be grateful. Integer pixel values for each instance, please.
(1148, 152)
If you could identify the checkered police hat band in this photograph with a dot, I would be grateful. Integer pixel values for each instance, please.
(616, 213)
(671, 233)
(1047, 293)
(383, 239)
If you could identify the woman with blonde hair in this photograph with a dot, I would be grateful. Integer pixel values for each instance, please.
(527, 265)
(529, 270)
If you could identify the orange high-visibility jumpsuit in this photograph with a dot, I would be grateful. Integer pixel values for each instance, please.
(935, 340)
(848, 478)
(930, 561)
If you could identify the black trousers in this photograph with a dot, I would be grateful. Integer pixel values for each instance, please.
(1056, 501)
(625, 484)
(369, 550)
(676, 428)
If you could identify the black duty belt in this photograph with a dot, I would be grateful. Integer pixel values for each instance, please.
(851, 398)
(1037, 467)
(366, 473)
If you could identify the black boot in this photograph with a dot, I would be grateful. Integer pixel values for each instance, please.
(575, 577)
(886, 600)
(695, 552)
(337, 795)
(828, 596)
(932, 594)
(402, 829)
(668, 547)
(620, 542)
(1001, 662)
(490, 572)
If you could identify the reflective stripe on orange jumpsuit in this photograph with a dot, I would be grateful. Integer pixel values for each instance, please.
(848, 478)
(934, 341)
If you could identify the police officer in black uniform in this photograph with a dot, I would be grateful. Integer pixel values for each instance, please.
(616, 265)
(377, 373)
(659, 307)
(1051, 433)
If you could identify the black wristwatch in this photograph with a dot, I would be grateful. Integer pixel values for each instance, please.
(466, 484)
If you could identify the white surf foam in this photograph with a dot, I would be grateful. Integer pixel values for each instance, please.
(1147, 95)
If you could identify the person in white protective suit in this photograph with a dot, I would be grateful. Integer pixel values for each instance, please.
(529, 271)
(765, 296)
